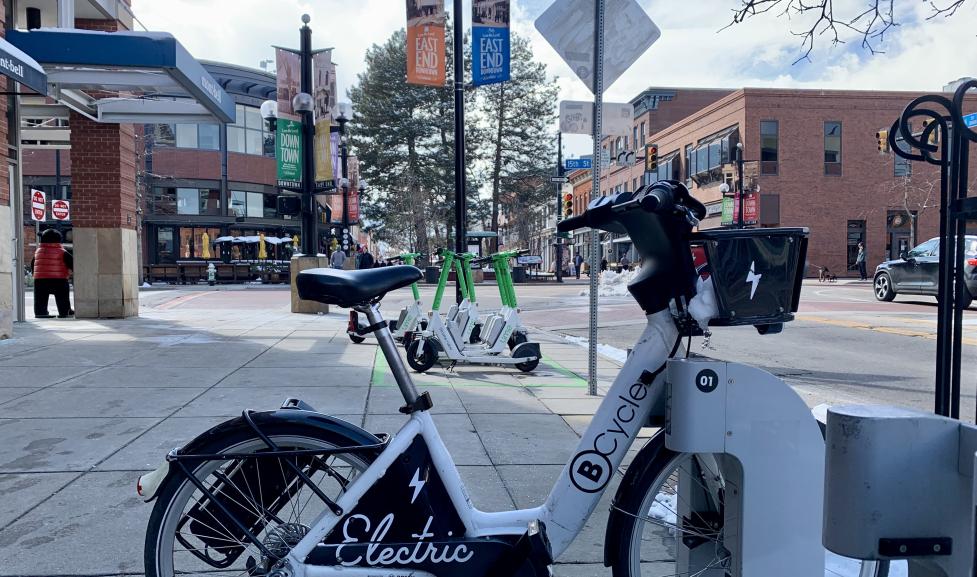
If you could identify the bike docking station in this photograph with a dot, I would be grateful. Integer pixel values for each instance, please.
(453, 339)
(901, 484)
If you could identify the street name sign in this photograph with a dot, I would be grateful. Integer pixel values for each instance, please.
(60, 210)
(577, 117)
(970, 120)
(568, 25)
(38, 205)
(578, 164)
(559, 179)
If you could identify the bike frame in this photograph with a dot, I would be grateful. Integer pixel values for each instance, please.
(637, 392)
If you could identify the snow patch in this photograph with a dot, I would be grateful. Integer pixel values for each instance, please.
(612, 284)
(613, 353)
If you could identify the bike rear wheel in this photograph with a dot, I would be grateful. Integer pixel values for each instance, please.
(674, 523)
(189, 534)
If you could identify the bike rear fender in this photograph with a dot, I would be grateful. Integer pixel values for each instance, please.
(293, 412)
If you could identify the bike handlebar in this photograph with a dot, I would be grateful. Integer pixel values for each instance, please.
(662, 197)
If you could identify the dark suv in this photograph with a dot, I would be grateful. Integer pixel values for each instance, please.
(916, 272)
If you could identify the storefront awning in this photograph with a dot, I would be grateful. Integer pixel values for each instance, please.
(18, 66)
(155, 77)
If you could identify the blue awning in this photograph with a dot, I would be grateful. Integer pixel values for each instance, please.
(17, 65)
(158, 79)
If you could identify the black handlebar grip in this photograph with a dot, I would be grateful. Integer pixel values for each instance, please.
(572, 223)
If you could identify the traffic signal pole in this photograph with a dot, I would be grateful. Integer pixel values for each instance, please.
(559, 199)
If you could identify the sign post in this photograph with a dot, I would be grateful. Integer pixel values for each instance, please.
(38, 205)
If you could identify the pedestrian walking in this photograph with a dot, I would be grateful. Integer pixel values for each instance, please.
(860, 261)
(625, 263)
(578, 261)
(364, 259)
(52, 266)
(337, 259)
(603, 264)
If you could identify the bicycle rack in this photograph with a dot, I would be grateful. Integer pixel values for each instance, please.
(899, 484)
(944, 142)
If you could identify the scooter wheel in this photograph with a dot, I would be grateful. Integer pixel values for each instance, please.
(421, 355)
(526, 366)
(356, 338)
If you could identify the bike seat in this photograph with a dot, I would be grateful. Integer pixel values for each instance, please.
(347, 288)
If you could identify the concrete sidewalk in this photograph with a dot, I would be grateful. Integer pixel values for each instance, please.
(88, 406)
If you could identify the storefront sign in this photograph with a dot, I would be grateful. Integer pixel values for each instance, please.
(17, 65)
(425, 42)
(60, 210)
(490, 41)
(288, 70)
(288, 152)
(38, 205)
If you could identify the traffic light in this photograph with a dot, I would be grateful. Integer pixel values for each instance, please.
(883, 137)
(567, 205)
(651, 158)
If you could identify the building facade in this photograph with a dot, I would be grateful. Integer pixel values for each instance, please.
(811, 159)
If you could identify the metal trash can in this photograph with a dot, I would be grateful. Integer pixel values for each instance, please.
(518, 274)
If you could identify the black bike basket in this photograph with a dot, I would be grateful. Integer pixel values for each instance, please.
(757, 273)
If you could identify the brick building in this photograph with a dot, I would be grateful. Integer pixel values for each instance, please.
(811, 159)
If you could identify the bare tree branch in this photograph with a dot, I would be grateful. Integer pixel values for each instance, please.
(821, 19)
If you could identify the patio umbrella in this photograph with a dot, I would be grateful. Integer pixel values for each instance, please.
(262, 254)
(205, 240)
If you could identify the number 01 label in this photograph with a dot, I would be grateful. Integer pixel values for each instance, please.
(707, 380)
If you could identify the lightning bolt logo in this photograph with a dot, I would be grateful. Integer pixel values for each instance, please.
(753, 278)
(417, 484)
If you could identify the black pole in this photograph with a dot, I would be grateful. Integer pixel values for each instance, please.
(559, 206)
(345, 238)
(459, 52)
(739, 185)
(310, 236)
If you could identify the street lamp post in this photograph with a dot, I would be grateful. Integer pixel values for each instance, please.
(341, 120)
(303, 104)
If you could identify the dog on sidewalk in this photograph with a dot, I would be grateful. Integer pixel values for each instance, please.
(825, 275)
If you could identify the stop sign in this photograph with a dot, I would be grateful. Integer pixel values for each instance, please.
(38, 205)
(60, 209)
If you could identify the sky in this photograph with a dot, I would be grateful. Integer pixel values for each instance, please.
(693, 50)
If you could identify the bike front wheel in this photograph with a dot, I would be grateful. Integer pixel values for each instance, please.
(674, 520)
(189, 533)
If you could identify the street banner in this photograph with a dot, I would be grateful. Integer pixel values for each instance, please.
(323, 152)
(353, 165)
(425, 42)
(731, 209)
(60, 210)
(490, 41)
(288, 70)
(38, 205)
(288, 152)
(324, 85)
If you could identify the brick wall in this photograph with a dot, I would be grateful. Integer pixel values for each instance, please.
(103, 191)
(40, 162)
(251, 168)
(187, 163)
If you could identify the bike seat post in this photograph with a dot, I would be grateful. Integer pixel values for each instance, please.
(389, 348)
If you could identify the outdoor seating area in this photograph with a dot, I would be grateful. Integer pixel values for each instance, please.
(195, 272)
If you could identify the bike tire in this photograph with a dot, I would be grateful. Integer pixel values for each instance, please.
(174, 498)
(646, 541)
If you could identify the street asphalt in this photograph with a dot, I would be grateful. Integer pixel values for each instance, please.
(87, 406)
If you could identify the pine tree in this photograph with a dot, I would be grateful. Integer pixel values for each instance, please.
(519, 116)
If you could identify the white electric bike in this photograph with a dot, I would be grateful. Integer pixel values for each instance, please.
(730, 485)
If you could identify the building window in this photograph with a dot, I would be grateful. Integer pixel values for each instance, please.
(706, 160)
(208, 137)
(197, 201)
(635, 138)
(642, 134)
(901, 167)
(165, 247)
(688, 165)
(832, 148)
(253, 204)
(164, 134)
(634, 184)
(769, 146)
(248, 135)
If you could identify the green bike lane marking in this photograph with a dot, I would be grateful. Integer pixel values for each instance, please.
(382, 377)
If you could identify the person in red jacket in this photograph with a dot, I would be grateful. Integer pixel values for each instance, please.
(52, 265)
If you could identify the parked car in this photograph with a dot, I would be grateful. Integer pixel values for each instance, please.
(916, 272)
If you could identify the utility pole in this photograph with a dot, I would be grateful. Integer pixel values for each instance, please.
(460, 198)
(345, 237)
(557, 243)
(739, 185)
